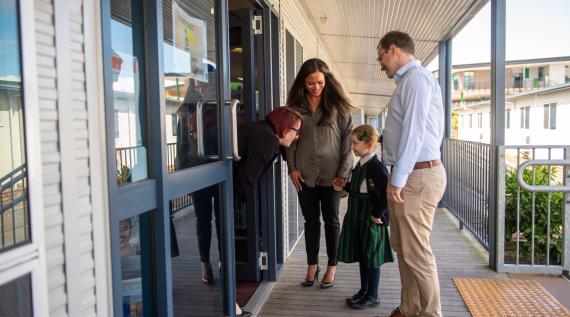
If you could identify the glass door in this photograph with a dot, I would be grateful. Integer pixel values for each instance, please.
(168, 114)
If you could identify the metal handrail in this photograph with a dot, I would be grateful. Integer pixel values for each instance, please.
(541, 188)
(12, 182)
(5, 177)
(13, 203)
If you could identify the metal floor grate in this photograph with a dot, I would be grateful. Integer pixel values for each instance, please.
(258, 299)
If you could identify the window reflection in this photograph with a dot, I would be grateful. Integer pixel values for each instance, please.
(14, 208)
(131, 267)
(127, 53)
(190, 83)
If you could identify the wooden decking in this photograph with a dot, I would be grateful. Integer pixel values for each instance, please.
(458, 256)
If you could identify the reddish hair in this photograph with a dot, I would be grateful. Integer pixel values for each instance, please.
(283, 119)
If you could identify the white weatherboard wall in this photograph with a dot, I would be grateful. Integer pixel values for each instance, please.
(294, 19)
(65, 157)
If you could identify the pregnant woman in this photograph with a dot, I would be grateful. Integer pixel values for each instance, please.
(319, 158)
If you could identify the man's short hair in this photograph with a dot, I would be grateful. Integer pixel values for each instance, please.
(399, 39)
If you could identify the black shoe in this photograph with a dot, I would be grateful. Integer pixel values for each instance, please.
(310, 283)
(366, 302)
(327, 285)
(356, 297)
(208, 280)
(245, 314)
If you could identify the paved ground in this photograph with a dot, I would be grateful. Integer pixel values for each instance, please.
(458, 256)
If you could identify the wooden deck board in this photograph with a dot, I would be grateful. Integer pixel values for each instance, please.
(457, 254)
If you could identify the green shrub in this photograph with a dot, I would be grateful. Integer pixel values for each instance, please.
(541, 215)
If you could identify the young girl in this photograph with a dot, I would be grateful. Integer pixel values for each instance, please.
(364, 238)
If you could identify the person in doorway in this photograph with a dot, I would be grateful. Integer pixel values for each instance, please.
(258, 147)
(414, 132)
(206, 201)
(364, 238)
(322, 156)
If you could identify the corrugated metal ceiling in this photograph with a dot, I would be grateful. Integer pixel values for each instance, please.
(354, 28)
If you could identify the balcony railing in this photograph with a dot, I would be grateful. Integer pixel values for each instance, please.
(127, 157)
(533, 234)
(13, 207)
(510, 85)
(467, 192)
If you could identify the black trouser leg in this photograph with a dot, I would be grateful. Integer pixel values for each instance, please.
(330, 200)
(310, 207)
(313, 201)
(202, 200)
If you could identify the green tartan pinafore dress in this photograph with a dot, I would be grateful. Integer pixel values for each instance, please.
(361, 239)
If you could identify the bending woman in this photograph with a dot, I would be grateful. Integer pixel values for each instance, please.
(322, 156)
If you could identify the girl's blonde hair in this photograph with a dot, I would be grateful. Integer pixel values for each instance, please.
(373, 136)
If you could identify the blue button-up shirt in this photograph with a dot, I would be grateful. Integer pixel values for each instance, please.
(415, 122)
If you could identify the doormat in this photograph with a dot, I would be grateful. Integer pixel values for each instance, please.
(486, 297)
(244, 291)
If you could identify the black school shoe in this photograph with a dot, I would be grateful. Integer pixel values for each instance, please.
(356, 297)
(366, 302)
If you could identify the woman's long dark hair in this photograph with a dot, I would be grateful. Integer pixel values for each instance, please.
(332, 96)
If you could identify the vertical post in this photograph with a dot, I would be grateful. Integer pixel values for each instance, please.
(445, 66)
(498, 38)
(445, 84)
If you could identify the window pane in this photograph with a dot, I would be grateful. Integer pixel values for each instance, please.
(190, 69)
(127, 43)
(14, 208)
(552, 116)
(546, 116)
(196, 250)
(136, 271)
(16, 297)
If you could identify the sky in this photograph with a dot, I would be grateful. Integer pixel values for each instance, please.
(9, 44)
(535, 29)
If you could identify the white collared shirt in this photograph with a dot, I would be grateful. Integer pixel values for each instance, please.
(415, 122)
(363, 161)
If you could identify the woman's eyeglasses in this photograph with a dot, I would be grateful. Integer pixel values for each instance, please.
(296, 131)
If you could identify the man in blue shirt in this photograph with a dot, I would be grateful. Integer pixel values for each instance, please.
(414, 132)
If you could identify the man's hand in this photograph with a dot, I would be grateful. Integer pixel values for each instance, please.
(393, 194)
(296, 178)
(376, 220)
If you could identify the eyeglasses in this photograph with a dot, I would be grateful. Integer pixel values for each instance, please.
(379, 59)
(296, 131)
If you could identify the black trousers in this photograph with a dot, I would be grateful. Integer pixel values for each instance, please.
(203, 208)
(313, 202)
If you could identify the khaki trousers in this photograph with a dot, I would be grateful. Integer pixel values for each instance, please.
(410, 228)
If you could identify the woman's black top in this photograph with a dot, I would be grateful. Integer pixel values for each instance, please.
(258, 147)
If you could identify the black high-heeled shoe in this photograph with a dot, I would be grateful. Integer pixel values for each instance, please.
(311, 283)
(245, 313)
(327, 285)
(208, 280)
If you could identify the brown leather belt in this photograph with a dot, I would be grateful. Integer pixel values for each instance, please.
(427, 164)
(420, 165)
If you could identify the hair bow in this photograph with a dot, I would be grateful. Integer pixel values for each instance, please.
(361, 136)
